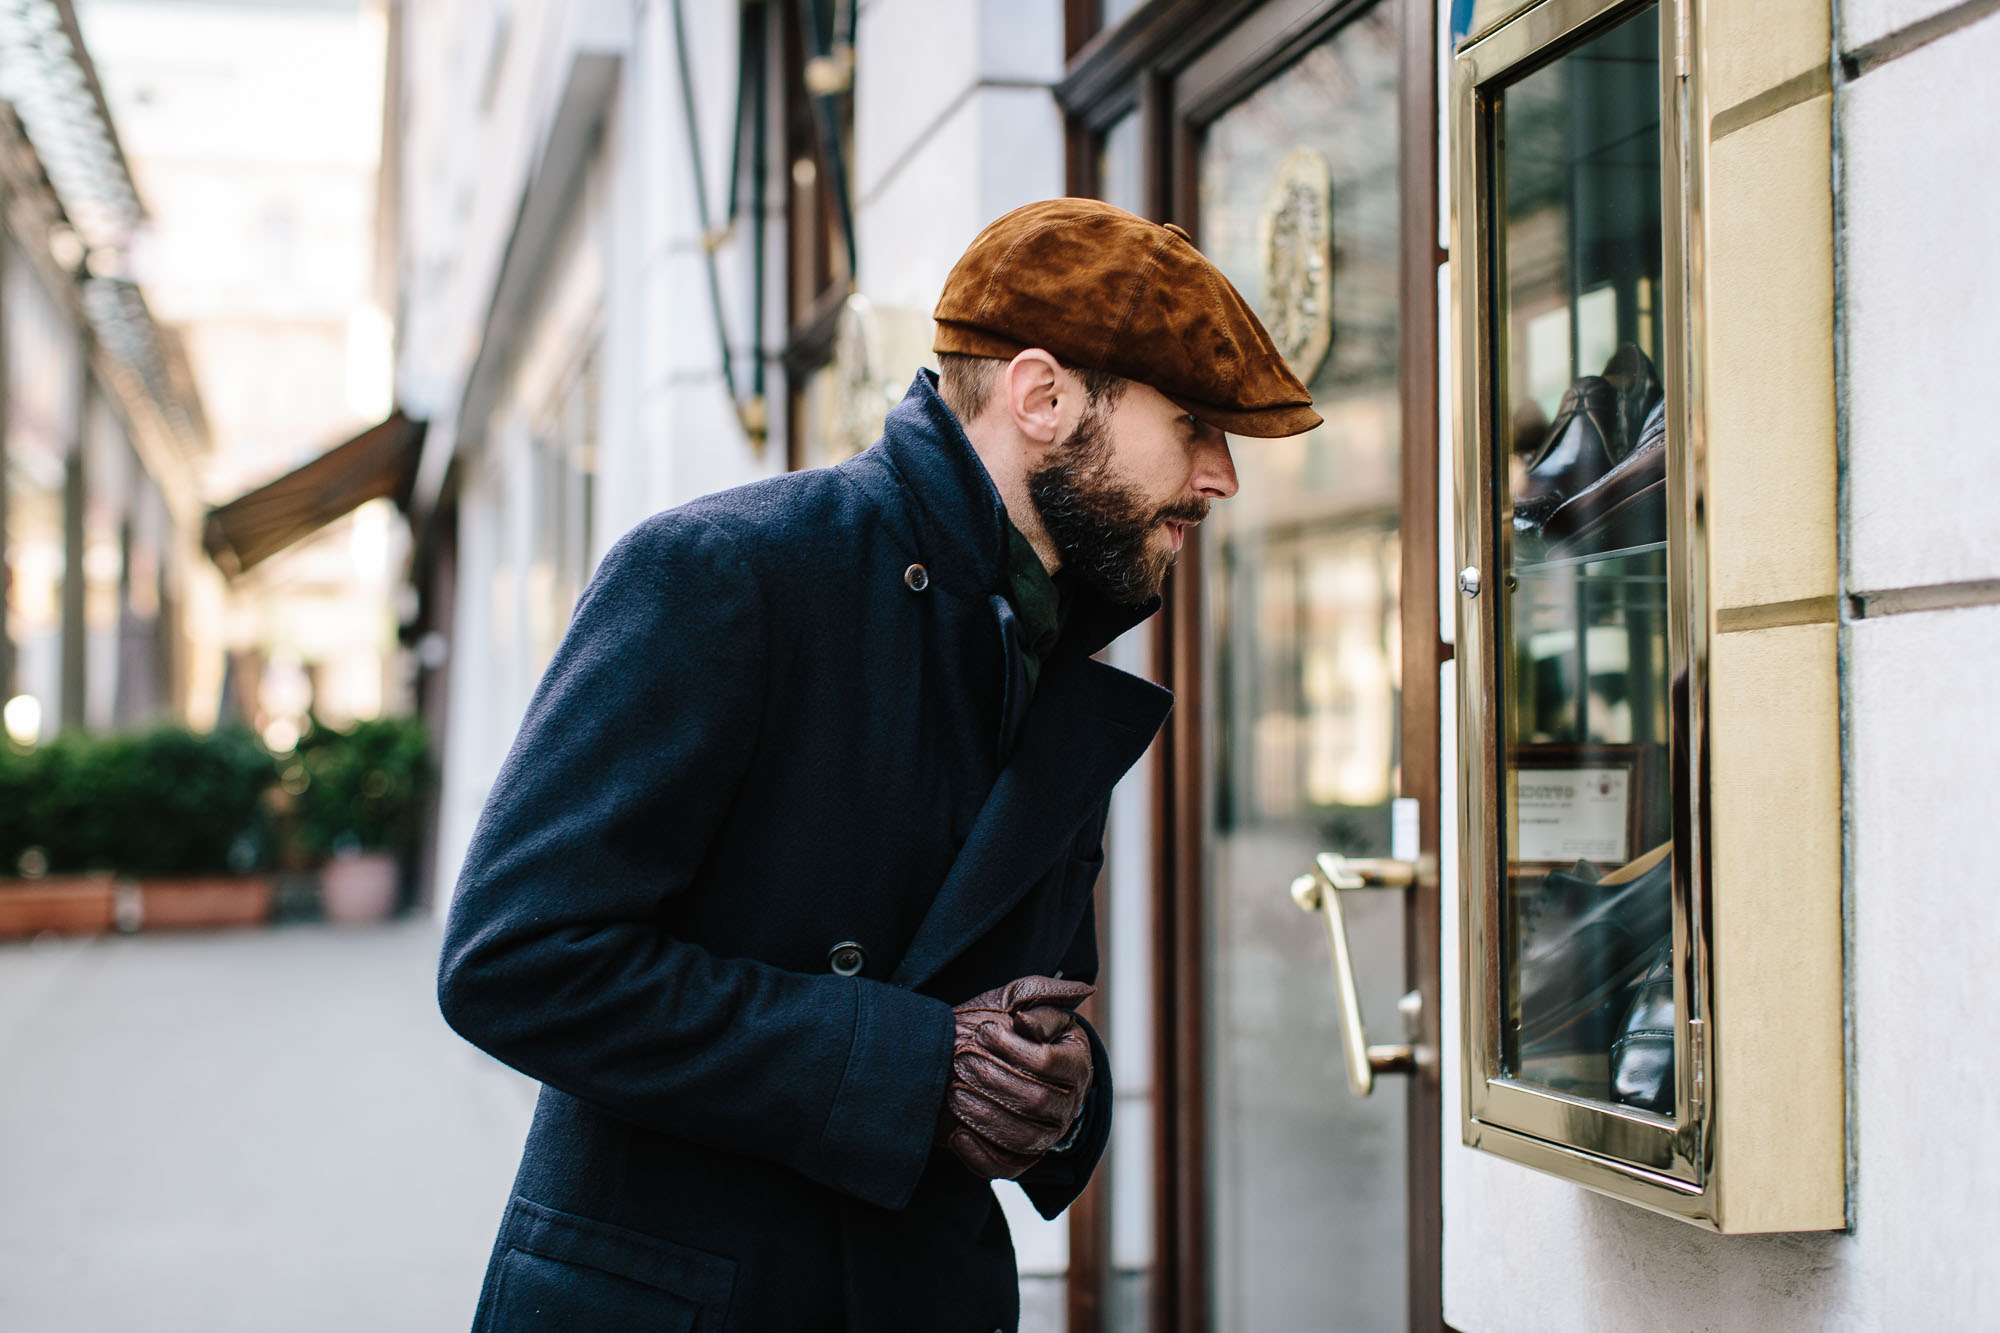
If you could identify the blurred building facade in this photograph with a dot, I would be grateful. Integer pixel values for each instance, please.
(254, 134)
(104, 432)
(647, 250)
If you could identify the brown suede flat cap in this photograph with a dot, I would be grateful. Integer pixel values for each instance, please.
(1102, 289)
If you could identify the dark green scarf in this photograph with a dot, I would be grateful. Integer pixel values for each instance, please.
(1041, 603)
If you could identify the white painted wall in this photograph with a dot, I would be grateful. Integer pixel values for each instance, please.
(481, 84)
(1919, 327)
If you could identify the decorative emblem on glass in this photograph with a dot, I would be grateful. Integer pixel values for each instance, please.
(1296, 241)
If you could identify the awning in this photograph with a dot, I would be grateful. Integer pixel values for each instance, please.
(380, 461)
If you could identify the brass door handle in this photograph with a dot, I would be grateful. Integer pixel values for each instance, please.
(1320, 892)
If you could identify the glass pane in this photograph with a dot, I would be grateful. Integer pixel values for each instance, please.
(1118, 169)
(1115, 11)
(1125, 934)
(1303, 670)
(1588, 810)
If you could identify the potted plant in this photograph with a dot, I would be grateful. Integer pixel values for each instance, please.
(360, 810)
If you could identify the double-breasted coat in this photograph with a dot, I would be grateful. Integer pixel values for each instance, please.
(778, 802)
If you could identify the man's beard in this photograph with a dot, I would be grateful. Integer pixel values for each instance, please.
(1101, 526)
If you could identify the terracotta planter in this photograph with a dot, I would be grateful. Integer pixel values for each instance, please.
(359, 887)
(64, 904)
(201, 902)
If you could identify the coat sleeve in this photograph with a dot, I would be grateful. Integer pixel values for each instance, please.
(555, 959)
(1053, 1183)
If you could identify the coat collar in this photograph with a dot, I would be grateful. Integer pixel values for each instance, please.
(1090, 723)
(957, 523)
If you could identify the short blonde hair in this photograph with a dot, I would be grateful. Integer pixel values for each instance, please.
(965, 382)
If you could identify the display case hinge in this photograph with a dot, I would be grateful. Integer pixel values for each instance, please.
(1698, 1062)
(1681, 41)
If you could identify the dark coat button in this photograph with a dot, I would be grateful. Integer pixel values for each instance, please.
(916, 578)
(847, 958)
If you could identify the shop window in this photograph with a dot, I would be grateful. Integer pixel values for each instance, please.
(1598, 991)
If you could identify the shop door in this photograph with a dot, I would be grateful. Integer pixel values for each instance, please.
(1294, 179)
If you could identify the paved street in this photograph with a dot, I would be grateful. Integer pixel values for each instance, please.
(268, 1131)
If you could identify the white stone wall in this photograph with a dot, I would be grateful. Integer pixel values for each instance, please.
(953, 126)
(1918, 328)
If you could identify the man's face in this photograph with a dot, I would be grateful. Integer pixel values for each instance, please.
(1121, 493)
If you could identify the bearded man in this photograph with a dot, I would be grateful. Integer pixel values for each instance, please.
(784, 891)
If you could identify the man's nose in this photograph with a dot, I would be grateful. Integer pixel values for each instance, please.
(1215, 470)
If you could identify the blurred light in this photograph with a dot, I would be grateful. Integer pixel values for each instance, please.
(368, 541)
(106, 261)
(433, 649)
(281, 736)
(371, 362)
(65, 247)
(103, 561)
(23, 718)
(285, 691)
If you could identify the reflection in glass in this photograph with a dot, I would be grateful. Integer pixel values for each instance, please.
(1587, 819)
(1302, 668)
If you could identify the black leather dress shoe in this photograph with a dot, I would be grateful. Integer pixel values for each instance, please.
(1602, 422)
(1575, 452)
(1585, 948)
(1642, 1058)
(1624, 508)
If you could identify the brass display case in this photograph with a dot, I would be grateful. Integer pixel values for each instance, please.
(1651, 943)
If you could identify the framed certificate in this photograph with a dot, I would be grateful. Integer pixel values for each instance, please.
(1577, 803)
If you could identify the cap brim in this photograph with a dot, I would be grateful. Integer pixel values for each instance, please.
(1267, 423)
(1261, 423)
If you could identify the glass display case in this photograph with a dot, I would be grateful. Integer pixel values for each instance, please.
(1590, 988)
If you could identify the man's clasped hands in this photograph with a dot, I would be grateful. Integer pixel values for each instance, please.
(1020, 1067)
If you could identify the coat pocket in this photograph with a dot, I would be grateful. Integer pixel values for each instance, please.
(558, 1271)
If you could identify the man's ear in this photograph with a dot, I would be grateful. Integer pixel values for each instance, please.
(1034, 388)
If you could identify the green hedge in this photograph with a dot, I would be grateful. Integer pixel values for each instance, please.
(164, 802)
(170, 802)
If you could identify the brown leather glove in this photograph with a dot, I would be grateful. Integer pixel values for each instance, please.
(1020, 1067)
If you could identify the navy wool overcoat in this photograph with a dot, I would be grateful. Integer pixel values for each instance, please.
(785, 736)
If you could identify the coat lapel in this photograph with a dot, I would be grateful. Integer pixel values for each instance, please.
(1088, 726)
